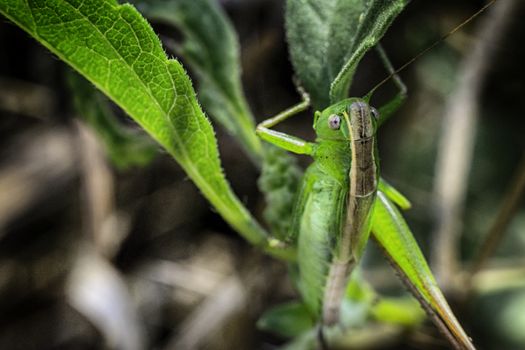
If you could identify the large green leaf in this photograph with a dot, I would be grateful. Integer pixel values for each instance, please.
(211, 49)
(116, 49)
(391, 232)
(328, 38)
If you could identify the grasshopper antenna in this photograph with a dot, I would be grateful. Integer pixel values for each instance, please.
(444, 37)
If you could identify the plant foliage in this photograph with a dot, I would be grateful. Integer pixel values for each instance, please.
(114, 47)
(328, 39)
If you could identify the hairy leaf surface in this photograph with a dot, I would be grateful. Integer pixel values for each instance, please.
(115, 48)
(211, 49)
(328, 38)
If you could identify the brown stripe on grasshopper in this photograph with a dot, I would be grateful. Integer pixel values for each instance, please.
(363, 177)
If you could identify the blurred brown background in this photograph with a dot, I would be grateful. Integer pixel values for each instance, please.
(92, 257)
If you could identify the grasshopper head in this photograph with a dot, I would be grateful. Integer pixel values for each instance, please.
(333, 122)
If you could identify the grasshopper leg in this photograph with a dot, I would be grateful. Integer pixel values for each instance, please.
(393, 105)
(281, 139)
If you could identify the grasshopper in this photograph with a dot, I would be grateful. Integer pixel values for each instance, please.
(331, 219)
(334, 208)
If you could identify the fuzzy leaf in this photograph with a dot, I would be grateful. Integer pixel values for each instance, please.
(115, 48)
(328, 38)
(211, 50)
(279, 181)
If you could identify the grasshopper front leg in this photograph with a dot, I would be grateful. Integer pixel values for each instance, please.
(283, 140)
(281, 178)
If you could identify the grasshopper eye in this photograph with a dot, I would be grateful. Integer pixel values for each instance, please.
(375, 112)
(334, 122)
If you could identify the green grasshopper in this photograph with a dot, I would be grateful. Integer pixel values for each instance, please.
(334, 207)
(331, 220)
(342, 198)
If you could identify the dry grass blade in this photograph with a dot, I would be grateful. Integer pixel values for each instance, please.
(457, 143)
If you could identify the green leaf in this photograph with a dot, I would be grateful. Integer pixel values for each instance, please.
(358, 289)
(373, 25)
(211, 50)
(288, 320)
(279, 181)
(328, 38)
(125, 147)
(394, 237)
(401, 311)
(115, 48)
(361, 298)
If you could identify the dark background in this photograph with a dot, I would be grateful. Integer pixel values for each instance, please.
(160, 257)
